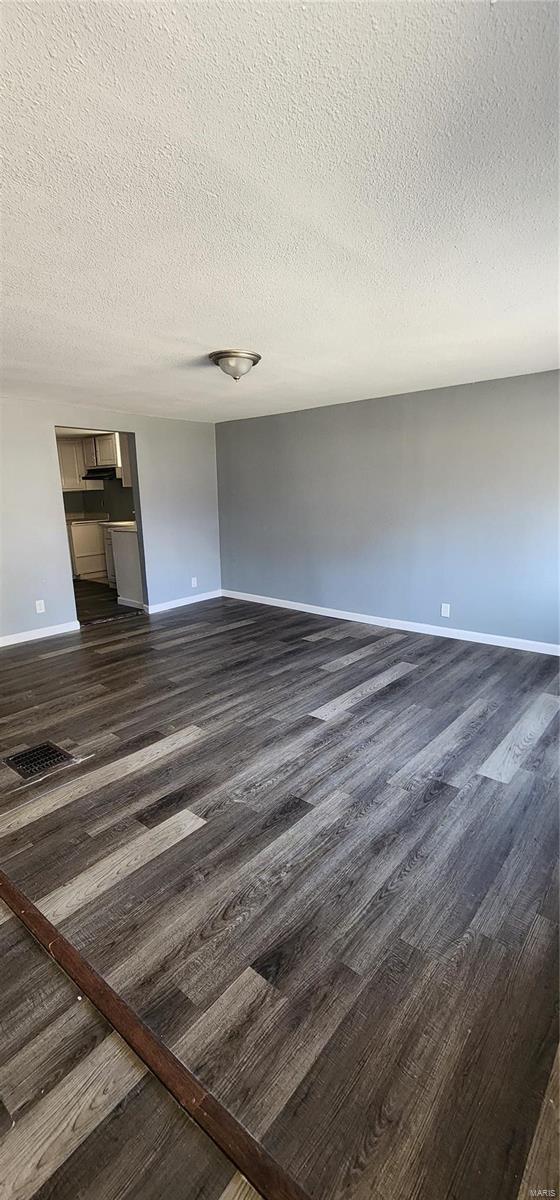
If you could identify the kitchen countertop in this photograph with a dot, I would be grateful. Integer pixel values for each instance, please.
(120, 525)
(104, 521)
(76, 519)
(83, 521)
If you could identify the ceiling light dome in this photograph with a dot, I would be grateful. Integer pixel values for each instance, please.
(235, 362)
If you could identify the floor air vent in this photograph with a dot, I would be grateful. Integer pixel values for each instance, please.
(37, 760)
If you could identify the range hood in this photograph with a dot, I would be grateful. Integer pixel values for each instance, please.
(100, 473)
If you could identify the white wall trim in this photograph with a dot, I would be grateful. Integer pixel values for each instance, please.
(166, 604)
(465, 635)
(31, 635)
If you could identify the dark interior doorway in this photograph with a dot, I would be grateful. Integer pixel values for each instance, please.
(99, 479)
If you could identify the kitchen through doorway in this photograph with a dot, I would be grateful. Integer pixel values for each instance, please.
(99, 481)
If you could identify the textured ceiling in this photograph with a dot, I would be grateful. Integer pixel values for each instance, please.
(362, 192)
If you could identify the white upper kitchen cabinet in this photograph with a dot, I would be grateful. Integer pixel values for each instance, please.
(107, 450)
(90, 457)
(72, 465)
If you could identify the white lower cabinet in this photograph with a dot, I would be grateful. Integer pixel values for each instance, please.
(89, 550)
(109, 559)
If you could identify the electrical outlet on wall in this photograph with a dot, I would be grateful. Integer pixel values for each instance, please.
(39, 606)
(194, 582)
(446, 610)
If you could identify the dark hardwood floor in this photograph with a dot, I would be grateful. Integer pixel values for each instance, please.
(98, 602)
(319, 861)
(80, 1114)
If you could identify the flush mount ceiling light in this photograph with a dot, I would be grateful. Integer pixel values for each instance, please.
(235, 362)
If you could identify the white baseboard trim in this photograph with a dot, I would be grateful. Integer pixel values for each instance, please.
(465, 635)
(196, 599)
(32, 635)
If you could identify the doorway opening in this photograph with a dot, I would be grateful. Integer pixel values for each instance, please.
(99, 481)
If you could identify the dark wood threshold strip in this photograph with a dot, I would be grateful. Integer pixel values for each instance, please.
(258, 1166)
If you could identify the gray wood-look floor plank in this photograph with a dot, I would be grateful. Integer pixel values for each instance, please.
(320, 860)
(362, 691)
(84, 1118)
(542, 1167)
(506, 759)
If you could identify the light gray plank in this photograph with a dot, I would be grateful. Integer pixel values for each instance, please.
(239, 1189)
(346, 660)
(32, 810)
(437, 752)
(102, 875)
(49, 1133)
(369, 688)
(24, 1074)
(515, 747)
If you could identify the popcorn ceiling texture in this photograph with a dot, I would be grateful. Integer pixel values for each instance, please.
(364, 193)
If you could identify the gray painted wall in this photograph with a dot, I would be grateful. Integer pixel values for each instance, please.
(178, 497)
(389, 507)
(385, 507)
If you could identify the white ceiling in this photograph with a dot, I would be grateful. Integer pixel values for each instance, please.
(362, 192)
